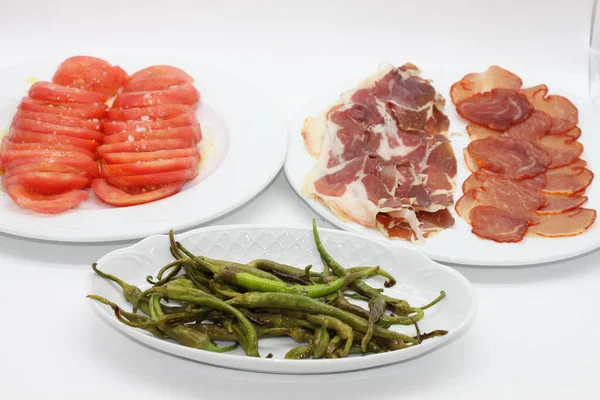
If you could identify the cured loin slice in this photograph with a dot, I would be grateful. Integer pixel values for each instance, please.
(504, 194)
(557, 203)
(562, 149)
(382, 149)
(476, 179)
(570, 223)
(492, 78)
(569, 179)
(497, 109)
(494, 224)
(563, 113)
(516, 159)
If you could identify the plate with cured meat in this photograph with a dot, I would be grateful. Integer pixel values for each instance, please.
(478, 167)
(103, 150)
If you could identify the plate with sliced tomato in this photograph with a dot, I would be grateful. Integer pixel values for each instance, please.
(117, 148)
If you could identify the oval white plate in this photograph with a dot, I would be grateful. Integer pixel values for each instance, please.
(458, 244)
(243, 149)
(419, 281)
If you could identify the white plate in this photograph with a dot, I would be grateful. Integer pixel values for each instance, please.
(419, 281)
(243, 149)
(458, 244)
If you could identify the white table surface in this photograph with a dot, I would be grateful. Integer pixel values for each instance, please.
(536, 332)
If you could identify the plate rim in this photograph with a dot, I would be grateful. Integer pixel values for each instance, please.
(275, 366)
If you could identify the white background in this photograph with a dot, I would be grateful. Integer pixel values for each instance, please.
(536, 333)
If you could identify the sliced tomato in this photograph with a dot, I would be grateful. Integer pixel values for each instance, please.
(184, 94)
(47, 167)
(85, 111)
(128, 158)
(81, 163)
(12, 155)
(148, 167)
(32, 125)
(92, 74)
(20, 136)
(152, 180)
(58, 119)
(186, 119)
(192, 132)
(46, 203)
(57, 94)
(160, 71)
(47, 182)
(7, 145)
(151, 84)
(144, 146)
(162, 111)
(117, 197)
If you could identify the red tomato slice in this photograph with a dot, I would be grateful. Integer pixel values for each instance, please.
(128, 158)
(152, 180)
(47, 167)
(144, 145)
(144, 126)
(91, 124)
(184, 94)
(54, 129)
(20, 136)
(85, 164)
(57, 94)
(47, 182)
(44, 203)
(85, 111)
(90, 73)
(160, 71)
(7, 145)
(193, 132)
(148, 167)
(151, 84)
(151, 113)
(117, 197)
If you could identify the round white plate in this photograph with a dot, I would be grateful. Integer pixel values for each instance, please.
(458, 244)
(419, 281)
(243, 149)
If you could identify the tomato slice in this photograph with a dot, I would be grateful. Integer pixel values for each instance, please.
(7, 145)
(46, 167)
(160, 71)
(144, 146)
(91, 124)
(85, 111)
(32, 125)
(81, 163)
(57, 94)
(152, 180)
(46, 203)
(90, 73)
(150, 113)
(184, 94)
(47, 182)
(148, 167)
(128, 158)
(151, 84)
(12, 155)
(144, 126)
(20, 136)
(117, 197)
(192, 132)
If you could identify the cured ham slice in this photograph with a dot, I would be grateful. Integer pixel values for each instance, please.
(557, 203)
(516, 159)
(500, 226)
(498, 109)
(504, 194)
(492, 78)
(383, 157)
(563, 113)
(562, 149)
(570, 223)
(431, 224)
